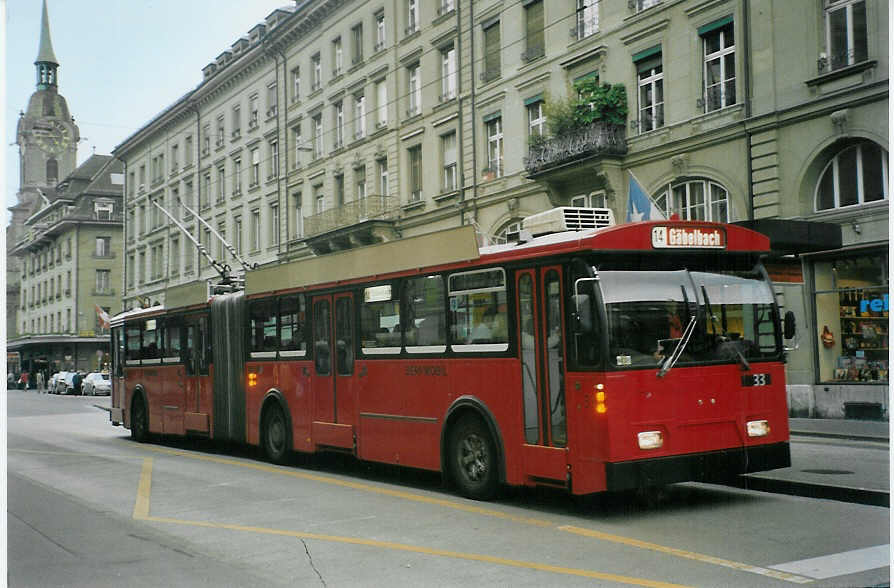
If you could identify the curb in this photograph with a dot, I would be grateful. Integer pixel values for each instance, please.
(811, 490)
(847, 436)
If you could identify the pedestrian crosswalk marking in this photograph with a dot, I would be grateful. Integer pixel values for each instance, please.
(840, 564)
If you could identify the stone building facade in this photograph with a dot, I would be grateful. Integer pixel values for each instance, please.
(338, 123)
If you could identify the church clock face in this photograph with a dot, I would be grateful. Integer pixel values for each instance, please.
(53, 138)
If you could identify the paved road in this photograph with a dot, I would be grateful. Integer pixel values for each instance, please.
(88, 507)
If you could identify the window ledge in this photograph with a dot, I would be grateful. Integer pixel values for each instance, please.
(841, 73)
(413, 205)
(446, 196)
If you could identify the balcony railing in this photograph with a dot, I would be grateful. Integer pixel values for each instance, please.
(594, 139)
(351, 213)
(46, 230)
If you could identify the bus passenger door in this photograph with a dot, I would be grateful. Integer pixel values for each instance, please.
(542, 349)
(195, 381)
(332, 380)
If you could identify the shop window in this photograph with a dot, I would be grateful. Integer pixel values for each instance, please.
(852, 318)
(858, 174)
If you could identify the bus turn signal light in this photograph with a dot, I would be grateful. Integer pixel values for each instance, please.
(650, 439)
(600, 399)
(757, 428)
(252, 379)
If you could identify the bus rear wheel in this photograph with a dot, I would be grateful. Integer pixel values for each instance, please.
(276, 435)
(139, 420)
(473, 459)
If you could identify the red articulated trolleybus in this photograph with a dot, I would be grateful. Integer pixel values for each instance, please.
(606, 358)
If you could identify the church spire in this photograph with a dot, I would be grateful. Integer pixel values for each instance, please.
(46, 60)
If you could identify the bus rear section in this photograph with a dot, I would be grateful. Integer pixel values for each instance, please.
(688, 380)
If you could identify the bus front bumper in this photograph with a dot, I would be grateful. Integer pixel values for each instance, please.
(714, 466)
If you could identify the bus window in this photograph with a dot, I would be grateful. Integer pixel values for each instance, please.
(478, 311)
(344, 336)
(188, 352)
(262, 329)
(132, 338)
(528, 347)
(425, 322)
(321, 337)
(379, 321)
(172, 341)
(292, 341)
(554, 350)
(118, 351)
(151, 348)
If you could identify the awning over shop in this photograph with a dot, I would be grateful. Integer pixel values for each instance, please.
(788, 237)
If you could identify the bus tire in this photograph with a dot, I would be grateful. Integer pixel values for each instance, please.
(472, 459)
(276, 435)
(139, 420)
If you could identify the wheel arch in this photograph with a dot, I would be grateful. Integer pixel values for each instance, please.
(461, 407)
(274, 397)
(138, 392)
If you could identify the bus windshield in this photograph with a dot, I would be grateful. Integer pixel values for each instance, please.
(649, 313)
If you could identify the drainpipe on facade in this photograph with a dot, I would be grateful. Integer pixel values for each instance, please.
(275, 52)
(124, 234)
(474, 126)
(459, 107)
(746, 23)
(198, 183)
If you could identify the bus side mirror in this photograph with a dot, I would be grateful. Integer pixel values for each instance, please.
(583, 317)
(788, 327)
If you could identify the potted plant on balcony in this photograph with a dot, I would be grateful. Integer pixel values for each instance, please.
(488, 174)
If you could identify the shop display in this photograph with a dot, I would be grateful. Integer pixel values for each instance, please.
(864, 335)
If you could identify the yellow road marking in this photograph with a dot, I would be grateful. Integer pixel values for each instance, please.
(467, 508)
(144, 490)
(686, 554)
(358, 486)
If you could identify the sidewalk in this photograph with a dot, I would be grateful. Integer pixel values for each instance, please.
(836, 459)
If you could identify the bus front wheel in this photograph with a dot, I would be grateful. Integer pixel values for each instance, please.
(473, 459)
(139, 420)
(276, 435)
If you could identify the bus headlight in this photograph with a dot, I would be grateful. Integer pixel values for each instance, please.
(757, 428)
(650, 439)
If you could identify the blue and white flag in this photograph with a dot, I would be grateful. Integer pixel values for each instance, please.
(639, 206)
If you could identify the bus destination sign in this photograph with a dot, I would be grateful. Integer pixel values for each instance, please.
(689, 237)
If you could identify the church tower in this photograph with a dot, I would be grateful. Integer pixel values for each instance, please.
(48, 142)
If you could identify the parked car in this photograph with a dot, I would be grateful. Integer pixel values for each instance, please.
(97, 383)
(58, 386)
(65, 385)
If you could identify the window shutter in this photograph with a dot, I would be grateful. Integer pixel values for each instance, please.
(492, 49)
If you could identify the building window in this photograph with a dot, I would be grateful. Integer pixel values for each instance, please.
(317, 137)
(412, 16)
(52, 171)
(356, 44)
(339, 116)
(492, 49)
(272, 100)
(414, 90)
(175, 162)
(237, 122)
(587, 18)
(103, 247)
(221, 184)
(316, 69)
(103, 281)
(206, 142)
(382, 165)
(360, 182)
(206, 244)
(174, 250)
(720, 67)
(319, 199)
(858, 174)
(641, 5)
(846, 41)
(205, 192)
(237, 176)
(359, 116)
(337, 57)
(536, 119)
(237, 234)
(446, 6)
(297, 146)
(131, 262)
(255, 229)
(296, 84)
(414, 158)
(534, 46)
(253, 112)
(495, 146)
(274, 223)
(380, 31)
(298, 216)
(448, 73)
(219, 140)
(274, 158)
(187, 150)
(381, 104)
(339, 189)
(695, 200)
(101, 211)
(650, 82)
(255, 167)
(852, 305)
(448, 161)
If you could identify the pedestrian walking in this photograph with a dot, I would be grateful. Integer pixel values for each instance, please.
(40, 382)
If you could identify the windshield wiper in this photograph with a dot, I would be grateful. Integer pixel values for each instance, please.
(684, 340)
